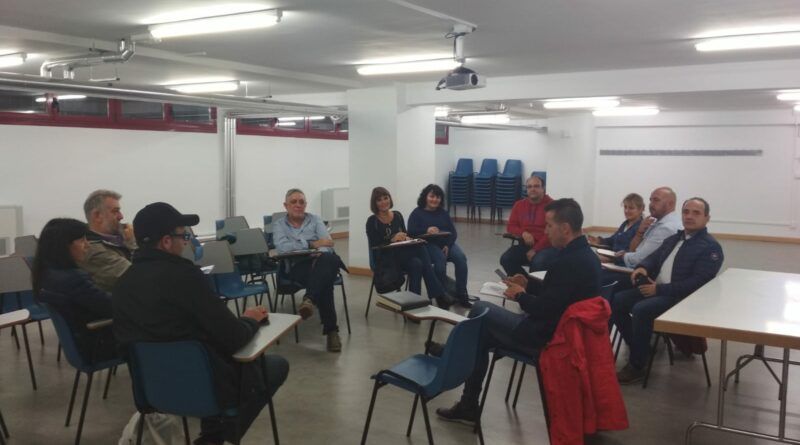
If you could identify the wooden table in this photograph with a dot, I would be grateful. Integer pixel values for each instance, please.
(748, 306)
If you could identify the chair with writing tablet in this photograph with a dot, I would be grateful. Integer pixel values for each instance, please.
(25, 246)
(226, 278)
(251, 254)
(16, 293)
(428, 376)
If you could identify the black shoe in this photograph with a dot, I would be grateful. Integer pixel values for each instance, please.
(460, 412)
(435, 349)
(444, 301)
(463, 301)
(629, 375)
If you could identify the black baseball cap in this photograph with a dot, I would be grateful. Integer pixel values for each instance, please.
(159, 219)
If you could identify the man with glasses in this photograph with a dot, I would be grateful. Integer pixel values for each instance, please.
(299, 230)
(527, 221)
(164, 297)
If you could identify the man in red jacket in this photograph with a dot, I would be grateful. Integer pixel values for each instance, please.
(527, 221)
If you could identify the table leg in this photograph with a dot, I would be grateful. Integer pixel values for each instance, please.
(723, 352)
(784, 386)
(430, 336)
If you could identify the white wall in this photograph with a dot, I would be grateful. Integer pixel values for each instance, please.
(266, 167)
(49, 171)
(748, 195)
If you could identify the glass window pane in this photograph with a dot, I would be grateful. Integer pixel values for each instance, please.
(262, 122)
(344, 126)
(85, 106)
(291, 125)
(191, 113)
(22, 102)
(441, 131)
(323, 124)
(132, 109)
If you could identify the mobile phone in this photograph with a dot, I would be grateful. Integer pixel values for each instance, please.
(641, 280)
(501, 274)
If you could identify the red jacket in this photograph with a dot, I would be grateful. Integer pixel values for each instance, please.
(579, 376)
(528, 217)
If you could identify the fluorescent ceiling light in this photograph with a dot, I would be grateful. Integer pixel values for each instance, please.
(409, 67)
(501, 118)
(768, 29)
(441, 112)
(581, 102)
(789, 95)
(752, 41)
(222, 23)
(797, 108)
(300, 118)
(12, 59)
(62, 97)
(286, 124)
(401, 59)
(206, 87)
(626, 111)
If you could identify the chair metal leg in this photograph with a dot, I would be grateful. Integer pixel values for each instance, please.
(478, 427)
(72, 397)
(705, 368)
(41, 334)
(511, 380)
(188, 439)
(650, 362)
(369, 411)
(369, 299)
(273, 421)
(108, 382)
(346, 312)
(140, 429)
(83, 408)
(296, 331)
(413, 412)
(519, 385)
(58, 356)
(28, 354)
(427, 420)
(617, 348)
(15, 336)
(543, 396)
(236, 303)
(669, 350)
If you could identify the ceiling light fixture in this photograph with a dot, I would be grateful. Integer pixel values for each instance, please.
(789, 95)
(286, 124)
(749, 41)
(499, 118)
(581, 102)
(441, 112)
(418, 66)
(206, 87)
(221, 23)
(626, 111)
(300, 118)
(797, 108)
(62, 97)
(12, 59)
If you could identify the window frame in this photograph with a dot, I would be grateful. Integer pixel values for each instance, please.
(306, 132)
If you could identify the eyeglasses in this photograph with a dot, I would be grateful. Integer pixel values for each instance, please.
(187, 236)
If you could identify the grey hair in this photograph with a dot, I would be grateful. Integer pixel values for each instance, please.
(291, 192)
(95, 201)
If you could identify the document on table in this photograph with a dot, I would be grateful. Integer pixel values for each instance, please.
(494, 289)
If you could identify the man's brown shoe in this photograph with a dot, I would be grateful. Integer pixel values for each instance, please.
(306, 309)
(334, 342)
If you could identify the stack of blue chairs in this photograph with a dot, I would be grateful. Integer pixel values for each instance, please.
(483, 187)
(508, 186)
(459, 185)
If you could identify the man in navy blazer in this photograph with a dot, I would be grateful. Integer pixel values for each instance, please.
(684, 262)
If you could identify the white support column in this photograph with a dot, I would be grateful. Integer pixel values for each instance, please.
(390, 146)
(571, 161)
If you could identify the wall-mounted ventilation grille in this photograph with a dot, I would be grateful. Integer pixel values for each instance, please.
(680, 152)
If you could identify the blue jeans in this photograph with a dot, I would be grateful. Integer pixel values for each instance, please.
(498, 329)
(543, 258)
(634, 314)
(416, 262)
(456, 256)
(515, 257)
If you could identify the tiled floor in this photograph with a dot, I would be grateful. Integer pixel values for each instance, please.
(325, 398)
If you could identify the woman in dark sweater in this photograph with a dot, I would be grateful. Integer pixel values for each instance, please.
(431, 218)
(71, 292)
(386, 226)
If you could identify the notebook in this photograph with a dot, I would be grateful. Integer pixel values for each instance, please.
(402, 300)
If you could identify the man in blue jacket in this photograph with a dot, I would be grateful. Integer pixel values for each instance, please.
(684, 262)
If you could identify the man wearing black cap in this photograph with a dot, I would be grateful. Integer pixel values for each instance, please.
(165, 297)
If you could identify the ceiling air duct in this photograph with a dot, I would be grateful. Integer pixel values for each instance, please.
(124, 52)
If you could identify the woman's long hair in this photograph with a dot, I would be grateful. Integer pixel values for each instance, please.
(422, 201)
(52, 251)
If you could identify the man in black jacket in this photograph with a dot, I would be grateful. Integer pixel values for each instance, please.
(164, 297)
(684, 262)
(574, 275)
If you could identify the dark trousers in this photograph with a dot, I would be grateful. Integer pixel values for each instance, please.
(253, 395)
(499, 325)
(317, 275)
(416, 262)
(634, 314)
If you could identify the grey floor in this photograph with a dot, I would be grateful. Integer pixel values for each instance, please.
(325, 398)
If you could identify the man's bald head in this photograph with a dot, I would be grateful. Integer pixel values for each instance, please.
(662, 202)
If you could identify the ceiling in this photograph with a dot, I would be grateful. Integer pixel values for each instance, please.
(317, 45)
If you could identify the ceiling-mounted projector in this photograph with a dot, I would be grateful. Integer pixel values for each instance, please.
(461, 78)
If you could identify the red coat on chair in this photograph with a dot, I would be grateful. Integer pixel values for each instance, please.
(579, 376)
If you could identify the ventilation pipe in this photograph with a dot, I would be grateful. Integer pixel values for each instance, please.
(124, 52)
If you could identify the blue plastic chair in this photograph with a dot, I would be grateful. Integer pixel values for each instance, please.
(373, 267)
(176, 378)
(230, 286)
(428, 376)
(463, 168)
(81, 364)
